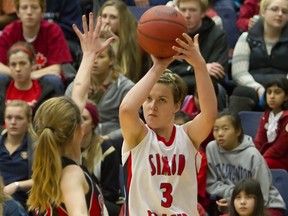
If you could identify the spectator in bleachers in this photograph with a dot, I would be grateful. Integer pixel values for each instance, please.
(7, 13)
(47, 39)
(272, 136)
(232, 156)
(21, 61)
(248, 14)
(108, 88)
(101, 159)
(16, 150)
(210, 12)
(260, 55)
(118, 21)
(213, 46)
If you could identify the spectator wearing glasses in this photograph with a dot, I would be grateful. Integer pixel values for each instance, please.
(259, 55)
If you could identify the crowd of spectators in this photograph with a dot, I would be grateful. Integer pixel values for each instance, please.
(40, 55)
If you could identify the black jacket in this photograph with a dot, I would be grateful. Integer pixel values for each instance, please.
(213, 45)
(263, 66)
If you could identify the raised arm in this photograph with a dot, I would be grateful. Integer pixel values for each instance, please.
(91, 46)
(200, 127)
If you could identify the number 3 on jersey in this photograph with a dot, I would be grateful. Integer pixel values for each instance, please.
(167, 199)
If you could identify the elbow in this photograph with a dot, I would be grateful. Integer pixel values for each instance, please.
(124, 109)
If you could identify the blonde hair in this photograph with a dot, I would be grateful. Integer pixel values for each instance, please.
(28, 113)
(264, 4)
(3, 196)
(55, 122)
(92, 154)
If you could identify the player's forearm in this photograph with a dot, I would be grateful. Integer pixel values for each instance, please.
(52, 69)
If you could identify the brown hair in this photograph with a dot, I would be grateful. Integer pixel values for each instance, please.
(179, 87)
(42, 4)
(22, 47)
(204, 4)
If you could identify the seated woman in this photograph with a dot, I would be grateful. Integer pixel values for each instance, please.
(107, 89)
(101, 159)
(21, 57)
(16, 150)
(259, 55)
(119, 22)
(271, 138)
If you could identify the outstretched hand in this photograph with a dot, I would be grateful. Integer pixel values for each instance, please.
(90, 38)
(188, 50)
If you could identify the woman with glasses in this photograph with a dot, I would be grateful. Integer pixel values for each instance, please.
(259, 55)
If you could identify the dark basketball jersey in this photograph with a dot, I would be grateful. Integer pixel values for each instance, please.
(94, 198)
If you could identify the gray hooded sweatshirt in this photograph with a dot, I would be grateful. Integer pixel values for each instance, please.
(226, 168)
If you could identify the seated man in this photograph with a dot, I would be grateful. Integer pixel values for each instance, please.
(47, 39)
(213, 45)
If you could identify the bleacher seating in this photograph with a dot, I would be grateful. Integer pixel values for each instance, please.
(250, 122)
(229, 18)
(280, 181)
(138, 11)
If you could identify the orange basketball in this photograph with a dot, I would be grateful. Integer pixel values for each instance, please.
(158, 28)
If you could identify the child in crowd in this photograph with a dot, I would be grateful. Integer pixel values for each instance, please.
(232, 156)
(271, 138)
(247, 199)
